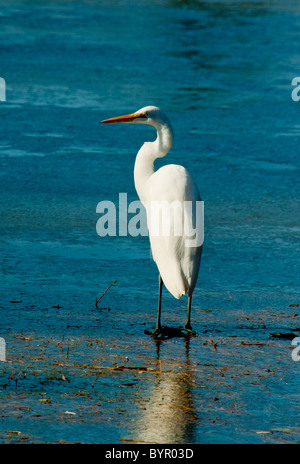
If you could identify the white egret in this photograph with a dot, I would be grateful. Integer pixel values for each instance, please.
(177, 259)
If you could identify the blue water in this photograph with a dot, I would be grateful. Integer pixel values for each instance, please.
(222, 71)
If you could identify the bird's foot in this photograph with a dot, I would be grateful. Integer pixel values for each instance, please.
(189, 330)
(162, 333)
(158, 333)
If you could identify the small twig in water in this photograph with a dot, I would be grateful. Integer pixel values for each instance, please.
(60, 341)
(111, 285)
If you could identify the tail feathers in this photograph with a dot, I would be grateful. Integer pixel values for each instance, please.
(174, 280)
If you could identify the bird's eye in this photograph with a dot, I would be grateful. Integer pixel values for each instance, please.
(143, 115)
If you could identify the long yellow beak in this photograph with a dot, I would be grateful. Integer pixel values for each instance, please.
(125, 118)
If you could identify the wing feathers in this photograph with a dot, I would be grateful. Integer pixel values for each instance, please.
(178, 263)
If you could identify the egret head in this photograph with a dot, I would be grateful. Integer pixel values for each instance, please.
(147, 115)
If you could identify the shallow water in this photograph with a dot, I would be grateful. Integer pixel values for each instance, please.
(222, 71)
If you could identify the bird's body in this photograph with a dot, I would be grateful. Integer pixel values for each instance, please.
(178, 264)
(165, 193)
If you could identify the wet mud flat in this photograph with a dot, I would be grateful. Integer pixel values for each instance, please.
(235, 382)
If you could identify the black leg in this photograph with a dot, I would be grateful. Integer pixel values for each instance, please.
(160, 285)
(188, 320)
(158, 332)
(188, 326)
(161, 333)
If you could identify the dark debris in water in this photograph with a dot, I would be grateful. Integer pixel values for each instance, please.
(286, 336)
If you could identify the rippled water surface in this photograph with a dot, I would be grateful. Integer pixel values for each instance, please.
(222, 71)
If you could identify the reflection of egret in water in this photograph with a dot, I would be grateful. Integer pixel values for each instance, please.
(168, 414)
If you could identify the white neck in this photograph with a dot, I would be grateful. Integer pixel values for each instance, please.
(149, 152)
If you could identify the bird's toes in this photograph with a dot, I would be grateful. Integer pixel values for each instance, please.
(188, 328)
(165, 332)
